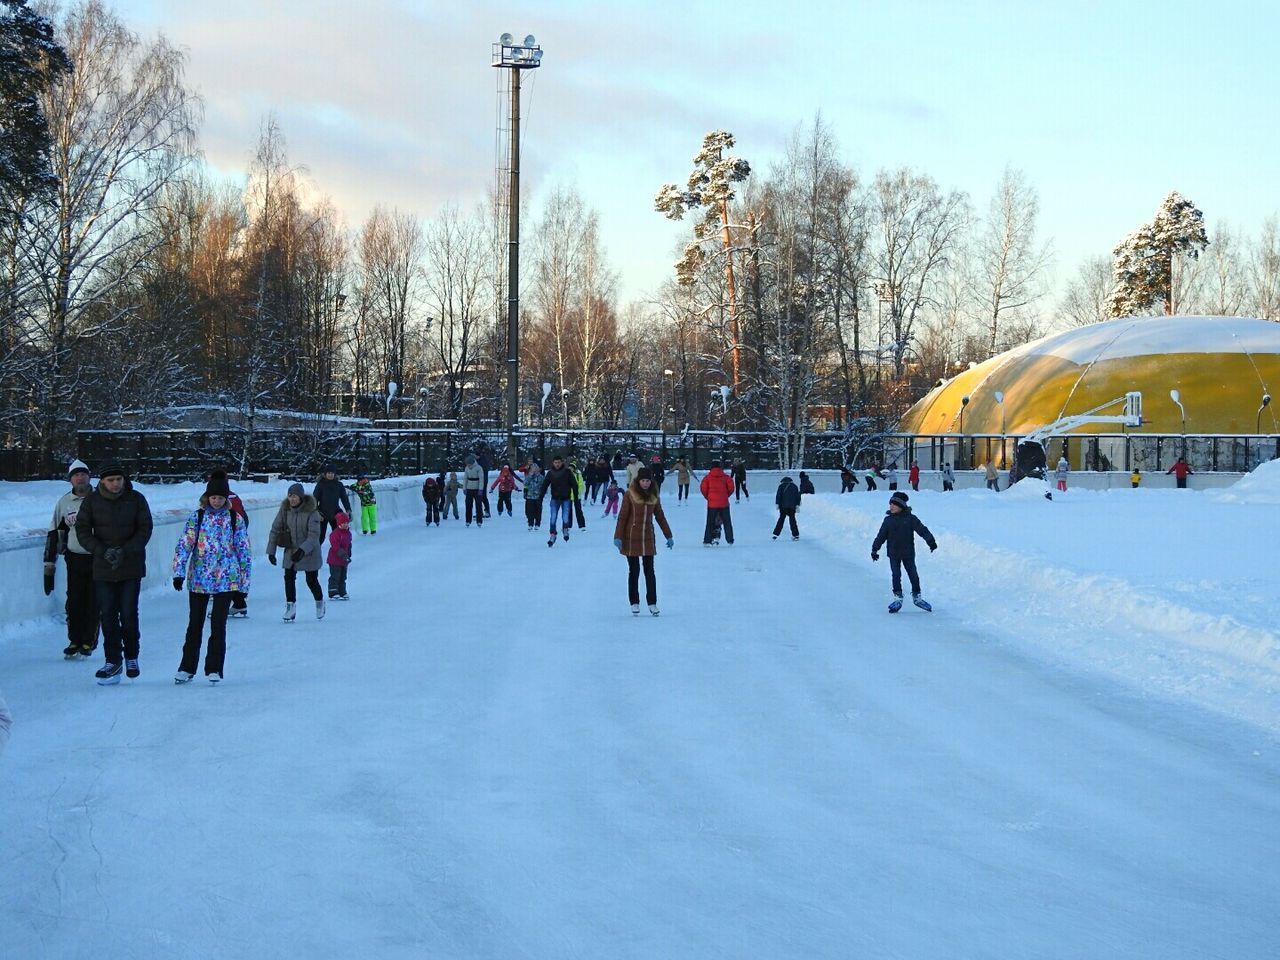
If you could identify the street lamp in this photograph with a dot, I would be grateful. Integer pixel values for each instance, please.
(516, 57)
(964, 402)
(546, 392)
(671, 380)
(999, 395)
(564, 403)
(1176, 397)
(392, 387)
(1266, 402)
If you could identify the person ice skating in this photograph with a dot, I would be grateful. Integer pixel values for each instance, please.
(658, 471)
(992, 475)
(330, 495)
(682, 479)
(913, 476)
(482, 458)
(611, 496)
(898, 532)
(788, 502)
(239, 598)
(892, 476)
(80, 605)
(449, 495)
(296, 530)
(598, 476)
(618, 463)
(870, 477)
(847, 479)
(806, 484)
(633, 536)
(535, 482)
(716, 487)
(363, 489)
(505, 482)
(1061, 472)
(339, 557)
(114, 524)
(213, 557)
(1135, 478)
(576, 495)
(633, 467)
(1180, 471)
(948, 478)
(740, 483)
(431, 493)
(472, 484)
(560, 484)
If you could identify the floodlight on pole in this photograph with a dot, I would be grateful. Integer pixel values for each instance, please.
(1266, 402)
(509, 55)
(392, 387)
(546, 392)
(1176, 397)
(1000, 400)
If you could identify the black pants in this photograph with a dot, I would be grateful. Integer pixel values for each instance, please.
(871, 484)
(291, 586)
(473, 500)
(118, 611)
(846, 485)
(786, 513)
(504, 497)
(433, 513)
(82, 604)
(593, 489)
(633, 580)
(739, 492)
(577, 513)
(484, 500)
(718, 517)
(533, 512)
(1182, 482)
(337, 580)
(217, 652)
(896, 565)
(947, 486)
(682, 491)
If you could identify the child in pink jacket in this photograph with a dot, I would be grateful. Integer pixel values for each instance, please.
(611, 499)
(339, 556)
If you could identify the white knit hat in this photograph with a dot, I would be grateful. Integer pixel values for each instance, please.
(76, 465)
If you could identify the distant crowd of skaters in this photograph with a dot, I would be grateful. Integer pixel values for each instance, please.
(102, 533)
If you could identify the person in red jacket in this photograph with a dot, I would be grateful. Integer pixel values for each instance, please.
(716, 487)
(1180, 470)
(504, 483)
(913, 476)
(339, 557)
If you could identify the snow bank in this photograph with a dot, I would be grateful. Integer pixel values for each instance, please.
(1262, 486)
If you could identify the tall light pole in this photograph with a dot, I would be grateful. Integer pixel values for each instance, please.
(1266, 402)
(999, 395)
(964, 402)
(671, 380)
(1176, 397)
(392, 387)
(513, 56)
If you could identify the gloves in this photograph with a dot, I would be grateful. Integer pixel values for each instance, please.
(114, 557)
(874, 555)
(933, 547)
(297, 555)
(48, 578)
(670, 542)
(177, 583)
(271, 558)
(617, 543)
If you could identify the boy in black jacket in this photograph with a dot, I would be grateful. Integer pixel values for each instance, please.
(898, 532)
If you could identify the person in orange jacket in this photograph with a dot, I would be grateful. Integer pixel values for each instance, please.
(716, 487)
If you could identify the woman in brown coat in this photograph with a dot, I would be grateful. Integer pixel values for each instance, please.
(633, 536)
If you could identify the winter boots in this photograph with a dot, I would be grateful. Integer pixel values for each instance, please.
(183, 677)
(131, 669)
(896, 605)
(635, 609)
(319, 609)
(290, 611)
(109, 673)
(920, 602)
(653, 609)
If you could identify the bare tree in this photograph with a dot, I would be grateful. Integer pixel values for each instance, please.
(390, 254)
(460, 297)
(1264, 272)
(1088, 295)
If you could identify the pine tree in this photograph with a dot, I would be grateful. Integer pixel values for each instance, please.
(1142, 270)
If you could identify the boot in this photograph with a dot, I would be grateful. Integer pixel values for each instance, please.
(653, 608)
(290, 611)
(635, 609)
(319, 609)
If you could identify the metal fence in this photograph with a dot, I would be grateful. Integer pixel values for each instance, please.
(300, 452)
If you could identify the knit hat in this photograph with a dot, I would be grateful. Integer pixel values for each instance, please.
(298, 489)
(900, 498)
(112, 469)
(340, 518)
(656, 459)
(644, 473)
(75, 467)
(217, 486)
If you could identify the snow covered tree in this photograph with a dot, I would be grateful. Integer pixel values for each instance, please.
(1264, 272)
(1143, 265)
(710, 185)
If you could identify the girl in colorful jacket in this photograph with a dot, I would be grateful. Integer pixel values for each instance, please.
(213, 557)
(363, 489)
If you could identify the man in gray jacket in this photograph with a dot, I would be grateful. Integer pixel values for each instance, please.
(81, 607)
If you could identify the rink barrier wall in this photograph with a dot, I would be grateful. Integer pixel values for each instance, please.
(400, 498)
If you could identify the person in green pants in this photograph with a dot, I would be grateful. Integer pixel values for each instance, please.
(363, 489)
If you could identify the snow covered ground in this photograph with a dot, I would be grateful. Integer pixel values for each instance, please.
(484, 755)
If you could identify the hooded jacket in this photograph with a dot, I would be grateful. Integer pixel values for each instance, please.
(505, 481)
(121, 520)
(898, 531)
(296, 527)
(635, 522)
(717, 487)
(788, 496)
(213, 552)
(329, 495)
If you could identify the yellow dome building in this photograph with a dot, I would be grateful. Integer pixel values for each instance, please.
(1221, 367)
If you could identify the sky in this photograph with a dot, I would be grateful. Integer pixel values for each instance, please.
(1106, 106)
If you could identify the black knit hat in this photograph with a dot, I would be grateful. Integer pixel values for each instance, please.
(644, 473)
(900, 498)
(217, 486)
(112, 469)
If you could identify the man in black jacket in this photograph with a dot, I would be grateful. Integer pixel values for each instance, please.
(561, 484)
(114, 524)
(330, 493)
(898, 532)
(788, 501)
